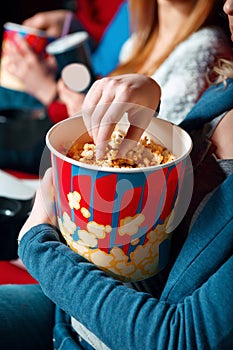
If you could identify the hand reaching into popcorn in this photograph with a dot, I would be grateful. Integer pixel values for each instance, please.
(109, 98)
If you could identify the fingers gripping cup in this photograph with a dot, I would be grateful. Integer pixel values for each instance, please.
(118, 218)
(37, 39)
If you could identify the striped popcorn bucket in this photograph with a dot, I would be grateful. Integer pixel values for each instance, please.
(119, 219)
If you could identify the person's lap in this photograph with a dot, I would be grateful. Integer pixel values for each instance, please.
(26, 318)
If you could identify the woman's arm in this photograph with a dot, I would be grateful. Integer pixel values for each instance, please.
(122, 317)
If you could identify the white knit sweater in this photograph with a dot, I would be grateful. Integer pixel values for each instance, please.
(182, 76)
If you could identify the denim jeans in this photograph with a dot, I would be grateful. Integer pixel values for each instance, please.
(26, 318)
(27, 321)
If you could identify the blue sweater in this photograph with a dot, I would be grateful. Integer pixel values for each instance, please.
(195, 308)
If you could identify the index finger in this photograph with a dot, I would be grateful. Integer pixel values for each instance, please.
(139, 118)
(107, 124)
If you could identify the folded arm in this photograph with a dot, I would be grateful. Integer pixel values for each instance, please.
(121, 317)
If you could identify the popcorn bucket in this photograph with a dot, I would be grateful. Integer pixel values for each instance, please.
(37, 39)
(118, 218)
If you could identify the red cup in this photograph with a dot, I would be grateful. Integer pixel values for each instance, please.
(37, 39)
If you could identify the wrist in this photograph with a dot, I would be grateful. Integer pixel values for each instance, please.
(33, 230)
(48, 94)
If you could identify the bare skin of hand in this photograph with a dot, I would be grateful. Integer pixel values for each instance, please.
(109, 98)
(50, 21)
(38, 75)
(73, 100)
(43, 209)
(224, 145)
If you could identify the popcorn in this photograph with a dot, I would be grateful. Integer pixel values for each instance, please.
(85, 212)
(130, 225)
(74, 200)
(98, 230)
(67, 226)
(87, 238)
(135, 265)
(146, 153)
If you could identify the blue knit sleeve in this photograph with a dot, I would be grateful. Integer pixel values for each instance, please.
(122, 317)
(216, 100)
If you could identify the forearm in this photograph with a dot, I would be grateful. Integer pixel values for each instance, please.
(45, 91)
(86, 293)
(106, 307)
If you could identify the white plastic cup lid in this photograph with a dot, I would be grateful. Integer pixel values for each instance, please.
(76, 76)
(66, 43)
(24, 29)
